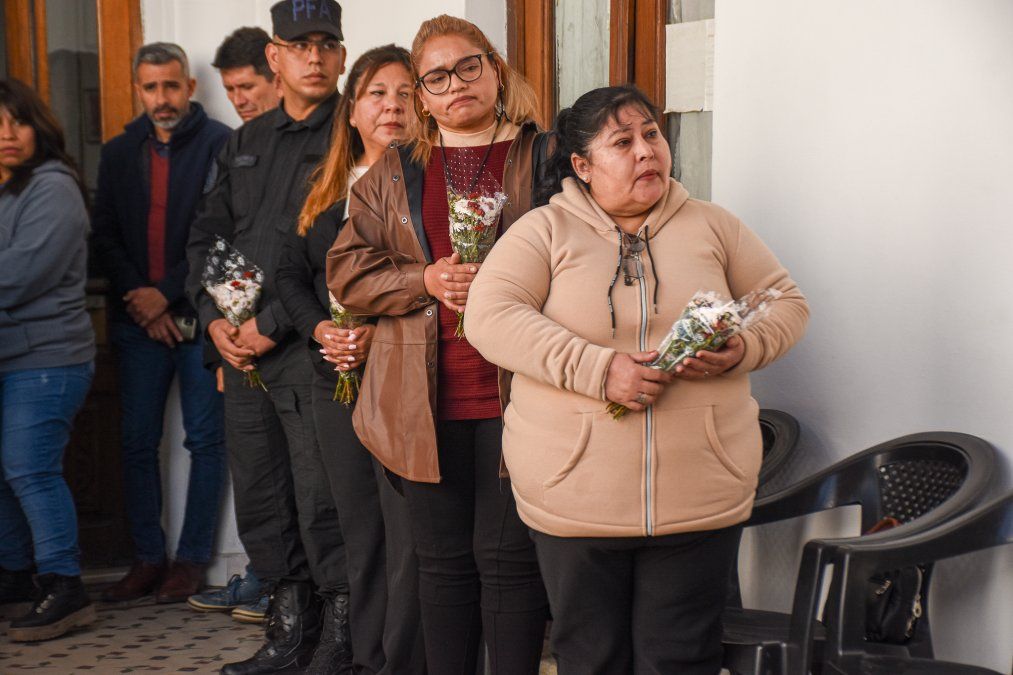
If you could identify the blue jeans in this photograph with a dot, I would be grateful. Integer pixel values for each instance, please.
(146, 370)
(37, 408)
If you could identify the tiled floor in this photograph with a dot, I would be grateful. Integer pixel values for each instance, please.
(142, 639)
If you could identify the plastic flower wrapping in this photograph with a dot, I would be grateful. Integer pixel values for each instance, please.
(348, 380)
(235, 284)
(708, 321)
(474, 212)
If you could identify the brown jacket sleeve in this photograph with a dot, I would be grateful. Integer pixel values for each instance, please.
(376, 264)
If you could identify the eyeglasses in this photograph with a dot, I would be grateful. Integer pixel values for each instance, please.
(468, 69)
(303, 47)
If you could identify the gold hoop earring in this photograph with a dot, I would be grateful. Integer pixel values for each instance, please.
(425, 113)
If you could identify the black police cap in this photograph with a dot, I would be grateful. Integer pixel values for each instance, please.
(293, 19)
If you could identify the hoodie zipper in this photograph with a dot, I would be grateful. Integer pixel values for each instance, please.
(650, 409)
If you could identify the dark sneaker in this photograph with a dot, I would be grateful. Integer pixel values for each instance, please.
(140, 581)
(255, 612)
(238, 592)
(60, 606)
(333, 655)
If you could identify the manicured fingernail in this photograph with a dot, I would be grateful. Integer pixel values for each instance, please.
(351, 347)
(350, 358)
(444, 276)
(447, 295)
(472, 269)
(328, 336)
(322, 351)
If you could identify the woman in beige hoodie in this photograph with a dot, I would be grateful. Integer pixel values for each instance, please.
(635, 520)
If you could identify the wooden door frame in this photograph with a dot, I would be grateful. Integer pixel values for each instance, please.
(531, 49)
(636, 47)
(27, 54)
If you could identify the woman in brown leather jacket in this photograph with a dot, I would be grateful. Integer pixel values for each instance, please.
(429, 408)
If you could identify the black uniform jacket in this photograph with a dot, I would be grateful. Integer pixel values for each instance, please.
(254, 204)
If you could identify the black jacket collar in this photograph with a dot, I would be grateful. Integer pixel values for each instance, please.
(320, 115)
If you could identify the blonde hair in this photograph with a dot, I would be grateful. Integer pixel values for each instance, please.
(520, 104)
(329, 180)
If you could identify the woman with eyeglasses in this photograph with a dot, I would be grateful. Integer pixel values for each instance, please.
(47, 351)
(382, 606)
(635, 520)
(429, 408)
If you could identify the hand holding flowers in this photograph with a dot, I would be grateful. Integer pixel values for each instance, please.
(696, 340)
(448, 281)
(235, 284)
(349, 324)
(630, 380)
(474, 218)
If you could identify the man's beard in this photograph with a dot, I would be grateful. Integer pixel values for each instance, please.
(170, 123)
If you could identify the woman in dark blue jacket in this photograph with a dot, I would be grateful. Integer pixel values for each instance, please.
(47, 351)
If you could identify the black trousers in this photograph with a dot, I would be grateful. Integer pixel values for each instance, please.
(285, 515)
(382, 567)
(639, 604)
(478, 571)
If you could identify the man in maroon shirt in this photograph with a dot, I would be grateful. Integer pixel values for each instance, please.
(151, 178)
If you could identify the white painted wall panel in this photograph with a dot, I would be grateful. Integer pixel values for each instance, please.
(868, 144)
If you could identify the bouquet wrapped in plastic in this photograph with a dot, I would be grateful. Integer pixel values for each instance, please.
(348, 380)
(474, 211)
(706, 324)
(235, 284)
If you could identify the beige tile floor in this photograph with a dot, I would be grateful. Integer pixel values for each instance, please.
(138, 639)
(141, 639)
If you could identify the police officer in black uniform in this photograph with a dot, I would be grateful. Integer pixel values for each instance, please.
(286, 517)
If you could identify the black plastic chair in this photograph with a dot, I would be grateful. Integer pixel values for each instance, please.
(922, 480)
(847, 652)
(780, 437)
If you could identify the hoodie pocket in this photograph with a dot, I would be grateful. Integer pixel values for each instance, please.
(717, 447)
(578, 452)
(705, 464)
(598, 479)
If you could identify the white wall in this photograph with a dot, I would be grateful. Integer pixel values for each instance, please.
(869, 144)
(199, 26)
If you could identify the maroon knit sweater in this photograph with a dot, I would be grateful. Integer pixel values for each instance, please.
(467, 385)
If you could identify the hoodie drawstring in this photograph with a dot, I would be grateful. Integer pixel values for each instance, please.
(619, 265)
(654, 269)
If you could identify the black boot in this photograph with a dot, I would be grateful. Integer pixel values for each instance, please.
(16, 586)
(293, 630)
(334, 653)
(60, 605)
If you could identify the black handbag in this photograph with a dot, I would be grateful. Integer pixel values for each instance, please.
(894, 602)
